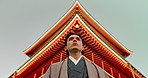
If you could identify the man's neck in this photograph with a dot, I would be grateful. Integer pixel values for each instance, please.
(75, 55)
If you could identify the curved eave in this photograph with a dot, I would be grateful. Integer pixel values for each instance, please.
(53, 30)
(101, 30)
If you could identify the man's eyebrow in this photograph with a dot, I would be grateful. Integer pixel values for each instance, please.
(70, 38)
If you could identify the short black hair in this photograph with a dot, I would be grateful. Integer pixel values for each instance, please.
(68, 35)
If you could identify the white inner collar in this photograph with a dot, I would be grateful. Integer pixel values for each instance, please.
(74, 60)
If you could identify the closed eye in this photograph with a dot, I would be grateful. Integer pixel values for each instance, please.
(71, 38)
(78, 38)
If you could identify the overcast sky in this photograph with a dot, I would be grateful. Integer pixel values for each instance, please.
(23, 22)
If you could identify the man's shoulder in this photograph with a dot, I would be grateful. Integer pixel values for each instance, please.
(98, 67)
(57, 63)
(88, 61)
(102, 73)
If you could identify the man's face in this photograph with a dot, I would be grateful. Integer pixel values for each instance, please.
(74, 43)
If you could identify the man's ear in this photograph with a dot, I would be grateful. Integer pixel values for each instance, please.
(82, 47)
(66, 47)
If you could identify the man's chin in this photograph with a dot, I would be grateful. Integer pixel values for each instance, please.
(74, 50)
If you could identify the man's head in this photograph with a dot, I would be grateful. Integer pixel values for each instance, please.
(74, 43)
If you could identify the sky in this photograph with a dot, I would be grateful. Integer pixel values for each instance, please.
(23, 22)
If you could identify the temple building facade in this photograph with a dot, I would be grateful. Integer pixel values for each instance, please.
(99, 47)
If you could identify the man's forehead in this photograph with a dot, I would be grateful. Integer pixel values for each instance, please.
(74, 36)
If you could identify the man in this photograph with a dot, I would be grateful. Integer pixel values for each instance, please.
(75, 66)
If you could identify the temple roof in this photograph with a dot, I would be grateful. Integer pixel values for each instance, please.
(94, 26)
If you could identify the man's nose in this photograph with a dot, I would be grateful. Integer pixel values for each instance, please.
(74, 40)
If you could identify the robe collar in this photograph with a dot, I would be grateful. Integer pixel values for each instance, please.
(89, 65)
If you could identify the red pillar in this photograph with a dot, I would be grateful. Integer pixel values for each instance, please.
(61, 56)
(34, 75)
(42, 71)
(119, 75)
(111, 71)
(102, 64)
(92, 55)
